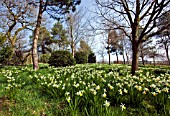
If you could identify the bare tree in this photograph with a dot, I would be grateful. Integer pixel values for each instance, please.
(128, 15)
(22, 50)
(154, 54)
(125, 46)
(101, 51)
(164, 41)
(16, 16)
(114, 43)
(75, 28)
(144, 49)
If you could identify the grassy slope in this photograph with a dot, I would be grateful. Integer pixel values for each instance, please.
(31, 101)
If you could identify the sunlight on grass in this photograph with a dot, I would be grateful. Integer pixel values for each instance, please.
(90, 89)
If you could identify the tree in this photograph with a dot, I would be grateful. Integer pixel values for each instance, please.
(164, 41)
(22, 51)
(75, 29)
(154, 54)
(114, 41)
(144, 49)
(44, 40)
(128, 16)
(5, 50)
(59, 36)
(84, 47)
(101, 51)
(2, 39)
(56, 9)
(124, 46)
(91, 58)
(21, 55)
(5, 54)
(16, 16)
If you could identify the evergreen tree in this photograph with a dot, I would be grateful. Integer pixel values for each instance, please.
(56, 9)
(84, 47)
(59, 36)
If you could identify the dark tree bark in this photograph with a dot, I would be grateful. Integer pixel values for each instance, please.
(167, 54)
(154, 61)
(135, 57)
(124, 62)
(127, 57)
(109, 54)
(117, 57)
(130, 15)
(143, 62)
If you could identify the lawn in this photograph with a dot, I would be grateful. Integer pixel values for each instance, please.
(84, 90)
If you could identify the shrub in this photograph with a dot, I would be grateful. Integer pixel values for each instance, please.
(91, 58)
(44, 58)
(81, 57)
(5, 54)
(61, 58)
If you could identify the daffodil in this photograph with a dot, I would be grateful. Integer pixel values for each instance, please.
(125, 90)
(139, 88)
(68, 99)
(80, 93)
(104, 95)
(165, 89)
(94, 92)
(153, 86)
(146, 89)
(67, 93)
(158, 90)
(106, 103)
(154, 93)
(144, 92)
(97, 87)
(122, 106)
(120, 91)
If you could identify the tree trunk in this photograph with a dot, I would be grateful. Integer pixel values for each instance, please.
(143, 62)
(73, 49)
(127, 57)
(117, 57)
(154, 61)
(134, 58)
(102, 59)
(167, 55)
(35, 40)
(43, 48)
(109, 54)
(124, 62)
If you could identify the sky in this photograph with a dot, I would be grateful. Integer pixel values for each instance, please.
(89, 6)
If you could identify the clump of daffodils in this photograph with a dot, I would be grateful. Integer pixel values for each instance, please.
(80, 93)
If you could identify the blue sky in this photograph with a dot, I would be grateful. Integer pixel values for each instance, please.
(89, 4)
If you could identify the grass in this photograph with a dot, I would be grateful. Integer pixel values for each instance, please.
(34, 94)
